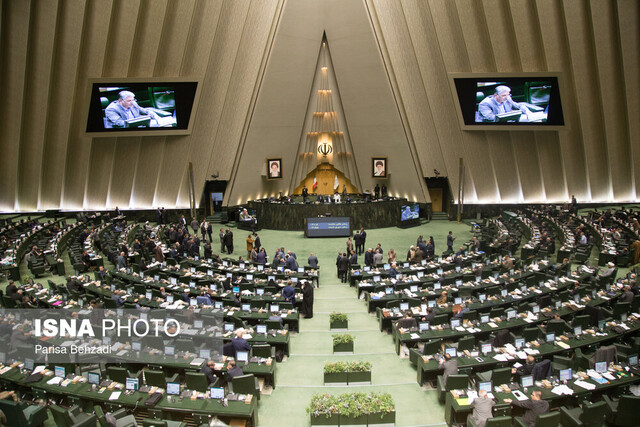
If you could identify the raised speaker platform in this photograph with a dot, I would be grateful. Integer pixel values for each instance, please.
(291, 216)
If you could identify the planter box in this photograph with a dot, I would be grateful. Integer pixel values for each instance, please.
(336, 378)
(339, 325)
(359, 377)
(343, 348)
(353, 421)
(325, 420)
(387, 419)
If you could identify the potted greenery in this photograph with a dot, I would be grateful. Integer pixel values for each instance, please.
(338, 321)
(380, 409)
(352, 408)
(335, 373)
(323, 410)
(343, 343)
(359, 372)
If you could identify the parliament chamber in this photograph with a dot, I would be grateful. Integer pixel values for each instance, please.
(319, 212)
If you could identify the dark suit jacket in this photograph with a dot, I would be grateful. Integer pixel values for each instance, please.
(240, 344)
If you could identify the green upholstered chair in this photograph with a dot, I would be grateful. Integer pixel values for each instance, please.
(551, 419)
(492, 422)
(245, 384)
(196, 381)
(590, 415)
(22, 415)
(624, 411)
(122, 419)
(155, 378)
(72, 417)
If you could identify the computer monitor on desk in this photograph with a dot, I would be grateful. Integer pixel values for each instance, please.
(173, 389)
(526, 381)
(242, 356)
(93, 378)
(451, 351)
(632, 360)
(565, 375)
(59, 371)
(509, 116)
(486, 386)
(132, 384)
(216, 393)
(601, 367)
(519, 343)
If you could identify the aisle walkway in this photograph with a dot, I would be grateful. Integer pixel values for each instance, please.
(302, 374)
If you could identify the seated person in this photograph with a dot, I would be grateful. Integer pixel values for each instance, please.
(450, 367)
(407, 322)
(498, 103)
(482, 408)
(534, 407)
(125, 108)
(232, 371)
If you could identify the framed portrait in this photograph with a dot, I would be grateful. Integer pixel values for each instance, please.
(274, 168)
(379, 167)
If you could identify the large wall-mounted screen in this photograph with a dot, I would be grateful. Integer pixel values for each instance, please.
(508, 102)
(140, 107)
(328, 227)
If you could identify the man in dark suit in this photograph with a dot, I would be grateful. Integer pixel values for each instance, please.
(232, 371)
(368, 257)
(363, 240)
(450, 240)
(450, 367)
(289, 294)
(313, 261)
(228, 241)
(239, 343)
(534, 407)
(123, 109)
(343, 268)
(207, 370)
(353, 260)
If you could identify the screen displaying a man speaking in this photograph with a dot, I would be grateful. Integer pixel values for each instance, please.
(513, 101)
(140, 106)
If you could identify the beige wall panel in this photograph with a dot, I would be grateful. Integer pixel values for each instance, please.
(175, 32)
(123, 171)
(527, 162)
(375, 126)
(629, 33)
(501, 152)
(204, 24)
(100, 165)
(148, 33)
(438, 93)
(588, 97)
(403, 65)
(94, 36)
(172, 171)
(611, 86)
(281, 105)
(550, 159)
(472, 28)
(122, 38)
(15, 35)
(555, 45)
(221, 60)
(42, 31)
(528, 39)
(61, 113)
(239, 98)
(147, 170)
(458, 36)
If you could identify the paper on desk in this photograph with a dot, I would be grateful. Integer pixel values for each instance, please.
(563, 344)
(493, 325)
(531, 351)
(521, 355)
(415, 336)
(115, 395)
(501, 357)
(585, 385)
(55, 381)
(562, 389)
(39, 369)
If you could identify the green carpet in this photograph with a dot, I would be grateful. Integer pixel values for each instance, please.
(302, 374)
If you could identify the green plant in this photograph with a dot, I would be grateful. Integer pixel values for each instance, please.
(335, 367)
(359, 366)
(342, 339)
(322, 404)
(351, 404)
(379, 403)
(337, 317)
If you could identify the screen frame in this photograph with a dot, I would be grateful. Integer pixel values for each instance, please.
(141, 80)
(498, 75)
